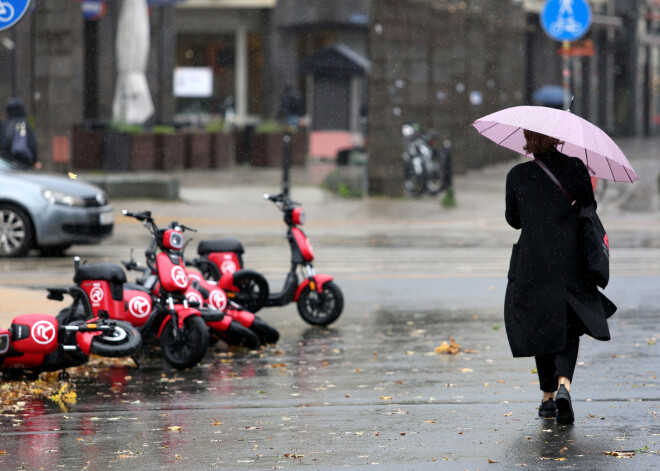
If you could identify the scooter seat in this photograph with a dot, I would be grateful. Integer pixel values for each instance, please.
(100, 271)
(136, 287)
(206, 247)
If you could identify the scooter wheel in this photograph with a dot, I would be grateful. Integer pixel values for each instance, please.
(190, 347)
(252, 289)
(123, 341)
(266, 333)
(322, 308)
(238, 335)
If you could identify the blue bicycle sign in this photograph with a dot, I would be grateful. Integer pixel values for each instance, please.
(566, 20)
(11, 12)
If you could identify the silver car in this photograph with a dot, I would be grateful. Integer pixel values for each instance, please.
(49, 212)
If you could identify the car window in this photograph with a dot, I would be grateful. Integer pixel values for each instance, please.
(6, 164)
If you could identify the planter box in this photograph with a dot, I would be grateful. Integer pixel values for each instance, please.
(143, 151)
(266, 150)
(223, 150)
(116, 151)
(123, 152)
(87, 148)
(198, 150)
(170, 151)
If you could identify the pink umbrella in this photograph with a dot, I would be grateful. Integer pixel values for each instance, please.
(581, 139)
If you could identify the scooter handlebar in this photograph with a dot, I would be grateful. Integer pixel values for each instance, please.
(141, 216)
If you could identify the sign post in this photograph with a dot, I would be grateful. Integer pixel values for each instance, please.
(566, 21)
(11, 12)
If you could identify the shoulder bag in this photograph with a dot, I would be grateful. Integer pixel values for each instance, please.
(593, 236)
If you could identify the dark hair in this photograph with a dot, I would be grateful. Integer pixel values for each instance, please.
(539, 143)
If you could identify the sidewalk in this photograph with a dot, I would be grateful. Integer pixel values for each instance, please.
(229, 203)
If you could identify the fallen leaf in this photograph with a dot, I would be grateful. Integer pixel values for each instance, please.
(466, 370)
(451, 348)
(174, 428)
(216, 422)
(491, 461)
(178, 457)
(620, 454)
(72, 176)
(508, 415)
(3, 452)
(386, 398)
(560, 459)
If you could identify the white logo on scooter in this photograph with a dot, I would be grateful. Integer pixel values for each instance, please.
(228, 266)
(43, 332)
(139, 307)
(179, 277)
(96, 295)
(194, 297)
(218, 299)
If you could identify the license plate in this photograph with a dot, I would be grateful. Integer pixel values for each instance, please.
(107, 218)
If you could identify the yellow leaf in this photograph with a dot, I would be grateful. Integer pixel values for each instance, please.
(386, 398)
(560, 459)
(174, 428)
(216, 422)
(72, 176)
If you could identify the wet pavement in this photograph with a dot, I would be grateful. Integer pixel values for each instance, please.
(371, 390)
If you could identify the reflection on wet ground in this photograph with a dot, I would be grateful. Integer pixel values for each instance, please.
(369, 390)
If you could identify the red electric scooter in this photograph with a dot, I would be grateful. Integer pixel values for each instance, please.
(39, 342)
(168, 264)
(320, 301)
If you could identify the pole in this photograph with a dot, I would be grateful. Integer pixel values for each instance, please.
(566, 73)
(286, 161)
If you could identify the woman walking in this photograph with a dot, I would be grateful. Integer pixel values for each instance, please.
(549, 301)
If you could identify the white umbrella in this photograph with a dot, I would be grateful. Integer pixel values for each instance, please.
(132, 103)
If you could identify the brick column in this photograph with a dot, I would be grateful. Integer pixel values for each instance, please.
(58, 78)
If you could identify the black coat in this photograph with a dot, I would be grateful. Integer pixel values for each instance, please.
(546, 274)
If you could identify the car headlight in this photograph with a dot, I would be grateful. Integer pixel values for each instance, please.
(57, 197)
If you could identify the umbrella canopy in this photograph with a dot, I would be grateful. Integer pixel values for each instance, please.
(132, 102)
(580, 138)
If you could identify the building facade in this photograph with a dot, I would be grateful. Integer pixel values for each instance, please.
(442, 63)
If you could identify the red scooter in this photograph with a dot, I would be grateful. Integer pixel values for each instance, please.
(165, 273)
(209, 294)
(39, 342)
(320, 301)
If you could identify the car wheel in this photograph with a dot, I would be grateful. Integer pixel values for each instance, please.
(15, 231)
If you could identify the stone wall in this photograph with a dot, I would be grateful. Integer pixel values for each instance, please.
(442, 64)
(57, 77)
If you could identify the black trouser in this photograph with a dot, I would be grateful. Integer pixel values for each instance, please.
(550, 367)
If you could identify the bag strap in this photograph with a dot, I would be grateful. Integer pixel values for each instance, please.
(573, 202)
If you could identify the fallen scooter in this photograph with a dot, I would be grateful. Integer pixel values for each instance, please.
(39, 342)
(320, 301)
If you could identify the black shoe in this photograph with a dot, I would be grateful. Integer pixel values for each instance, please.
(564, 406)
(548, 409)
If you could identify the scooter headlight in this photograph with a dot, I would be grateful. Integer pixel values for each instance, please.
(173, 239)
(298, 216)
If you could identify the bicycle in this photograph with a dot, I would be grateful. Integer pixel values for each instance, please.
(426, 169)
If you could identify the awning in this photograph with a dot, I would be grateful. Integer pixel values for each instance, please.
(229, 4)
(335, 60)
(151, 3)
